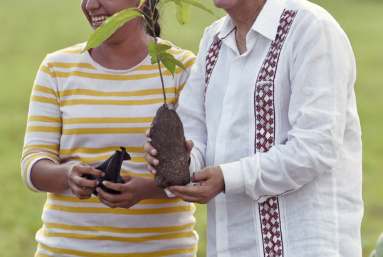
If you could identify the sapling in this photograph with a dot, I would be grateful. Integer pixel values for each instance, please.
(166, 131)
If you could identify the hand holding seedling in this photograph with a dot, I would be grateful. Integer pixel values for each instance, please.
(80, 186)
(212, 183)
(210, 178)
(151, 152)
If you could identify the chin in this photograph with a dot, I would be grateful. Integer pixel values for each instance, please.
(226, 4)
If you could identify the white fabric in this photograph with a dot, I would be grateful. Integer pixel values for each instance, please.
(315, 166)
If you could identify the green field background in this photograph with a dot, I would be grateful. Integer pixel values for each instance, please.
(32, 28)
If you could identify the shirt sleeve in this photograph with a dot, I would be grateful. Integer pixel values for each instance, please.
(43, 132)
(192, 108)
(322, 75)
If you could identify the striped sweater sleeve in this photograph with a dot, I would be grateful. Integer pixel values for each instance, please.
(43, 132)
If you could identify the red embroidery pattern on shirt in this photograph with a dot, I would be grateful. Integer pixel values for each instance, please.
(271, 228)
(211, 60)
(264, 104)
(212, 57)
(265, 134)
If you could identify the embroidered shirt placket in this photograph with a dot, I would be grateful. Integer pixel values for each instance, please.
(269, 213)
(220, 200)
(265, 134)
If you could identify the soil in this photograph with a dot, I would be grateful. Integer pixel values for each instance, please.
(167, 134)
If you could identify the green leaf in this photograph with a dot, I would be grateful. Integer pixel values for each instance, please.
(161, 48)
(170, 62)
(191, 2)
(156, 49)
(152, 52)
(183, 13)
(110, 25)
(201, 6)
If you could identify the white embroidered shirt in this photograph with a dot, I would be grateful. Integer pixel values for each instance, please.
(281, 122)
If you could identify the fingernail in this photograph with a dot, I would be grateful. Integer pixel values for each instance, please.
(103, 174)
(146, 132)
(104, 183)
(97, 189)
(156, 162)
(97, 183)
(153, 152)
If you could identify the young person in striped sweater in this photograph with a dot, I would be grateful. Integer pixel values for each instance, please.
(84, 106)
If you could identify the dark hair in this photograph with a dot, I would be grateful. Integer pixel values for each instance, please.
(156, 16)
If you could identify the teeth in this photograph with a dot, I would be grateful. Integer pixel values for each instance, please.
(100, 18)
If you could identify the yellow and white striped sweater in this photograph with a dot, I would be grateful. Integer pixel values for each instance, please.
(82, 112)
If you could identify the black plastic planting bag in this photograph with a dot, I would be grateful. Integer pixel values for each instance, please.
(111, 167)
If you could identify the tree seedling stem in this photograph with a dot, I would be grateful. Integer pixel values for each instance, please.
(154, 20)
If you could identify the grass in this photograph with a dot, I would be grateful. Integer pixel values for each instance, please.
(31, 29)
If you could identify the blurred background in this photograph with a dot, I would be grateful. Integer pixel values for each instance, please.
(31, 29)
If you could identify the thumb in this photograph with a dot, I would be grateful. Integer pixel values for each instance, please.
(189, 144)
(126, 178)
(199, 176)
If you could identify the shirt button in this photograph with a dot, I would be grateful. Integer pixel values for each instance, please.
(237, 64)
(221, 218)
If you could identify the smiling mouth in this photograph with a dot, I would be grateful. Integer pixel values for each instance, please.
(98, 20)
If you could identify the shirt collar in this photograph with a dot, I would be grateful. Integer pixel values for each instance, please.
(266, 24)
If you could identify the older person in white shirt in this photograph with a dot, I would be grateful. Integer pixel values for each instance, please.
(271, 112)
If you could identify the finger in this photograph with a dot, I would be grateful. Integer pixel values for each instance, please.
(150, 149)
(191, 191)
(186, 197)
(86, 183)
(126, 178)
(114, 186)
(82, 193)
(112, 198)
(200, 175)
(147, 133)
(189, 145)
(196, 194)
(151, 168)
(88, 170)
(111, 204)
(83, 182)
(150, 159)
